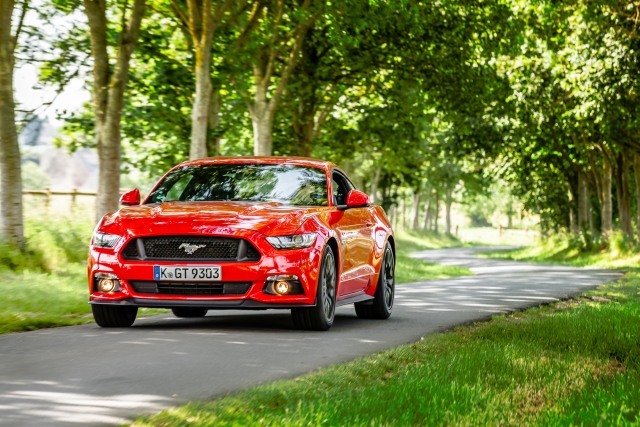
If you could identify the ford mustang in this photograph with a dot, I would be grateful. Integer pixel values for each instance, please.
(244, 233)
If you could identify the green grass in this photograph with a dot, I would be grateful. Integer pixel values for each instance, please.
(576, 362)
(46, 286)
(577, 251)
(493, 236)
(413, 270)
(33, 300)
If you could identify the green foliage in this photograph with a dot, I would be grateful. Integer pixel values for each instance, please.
(34, 178)
(620, 244)
(50, 245)
(441, 99)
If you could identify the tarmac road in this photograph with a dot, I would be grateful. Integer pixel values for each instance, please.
(85, 375)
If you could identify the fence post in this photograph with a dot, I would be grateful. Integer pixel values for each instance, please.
(47, 200)
(74, 194)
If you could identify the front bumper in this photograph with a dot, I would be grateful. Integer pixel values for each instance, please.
(302, 263)
(245, 304)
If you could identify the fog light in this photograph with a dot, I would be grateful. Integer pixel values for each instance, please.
(283, 284)
(282, 288)
(107, 285)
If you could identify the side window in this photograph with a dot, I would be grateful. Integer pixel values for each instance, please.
(341, 187)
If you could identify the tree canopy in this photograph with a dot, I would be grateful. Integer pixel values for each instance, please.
(421, 102)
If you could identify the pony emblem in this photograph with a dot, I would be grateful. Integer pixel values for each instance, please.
(190, 249)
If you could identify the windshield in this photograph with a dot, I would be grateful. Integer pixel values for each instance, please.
(288, 184)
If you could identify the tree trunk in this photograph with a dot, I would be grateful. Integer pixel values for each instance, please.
(607, 208)
(201, 103)
(202, 20)
(436, 214)
(109, 164)
(584, 198)
(623, 193)
(262, 121)
(11, 230)
(108, 96)
(448, 203)
(374, 186)
(415, 223)
(427, 216)
(636, 172)
(402, 213)
(213, 144)
(263, 108)
(573, 223)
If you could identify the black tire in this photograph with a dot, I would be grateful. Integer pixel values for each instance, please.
(189, 312)
(320, 317)
(110, 316)
(382, 304)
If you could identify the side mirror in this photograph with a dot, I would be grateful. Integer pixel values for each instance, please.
(357, 199)
(130, 198)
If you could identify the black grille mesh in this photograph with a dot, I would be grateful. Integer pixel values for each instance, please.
(171, 247)
(252, 253)
(131, 251)
(190, 288)
(198, 248)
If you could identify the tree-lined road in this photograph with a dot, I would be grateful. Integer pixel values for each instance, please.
(85, 375)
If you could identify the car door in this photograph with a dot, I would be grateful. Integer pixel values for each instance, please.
(354, 228)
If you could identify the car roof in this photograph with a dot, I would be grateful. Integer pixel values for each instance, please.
(261, 160)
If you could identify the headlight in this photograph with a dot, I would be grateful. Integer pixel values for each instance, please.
(102, 240)
(295, 241)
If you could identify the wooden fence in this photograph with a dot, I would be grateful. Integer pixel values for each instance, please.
(47, 202)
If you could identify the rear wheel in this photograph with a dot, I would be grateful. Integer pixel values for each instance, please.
(189, 312)
(109, 316)
(320, 317)
(382, 304)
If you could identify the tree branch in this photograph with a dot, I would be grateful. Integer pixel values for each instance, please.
(251, 23)
(179, 13)
(268, 71)
(14, 38)
(302, 29)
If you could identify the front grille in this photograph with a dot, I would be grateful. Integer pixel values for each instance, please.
(191, 248)
(190, 288)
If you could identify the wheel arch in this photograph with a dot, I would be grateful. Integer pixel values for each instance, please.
(333, 244)
(392, 240)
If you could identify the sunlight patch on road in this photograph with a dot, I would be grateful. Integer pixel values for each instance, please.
(81, 409)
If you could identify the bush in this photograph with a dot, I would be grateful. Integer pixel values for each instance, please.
(620, 244)
(50, 245)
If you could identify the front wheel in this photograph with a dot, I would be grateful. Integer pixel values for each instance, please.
(110, 316)
(320, 317)
(382, 304)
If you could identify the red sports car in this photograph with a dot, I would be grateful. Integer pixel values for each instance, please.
(244, 233)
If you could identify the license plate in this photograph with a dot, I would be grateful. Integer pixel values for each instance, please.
(188, 273)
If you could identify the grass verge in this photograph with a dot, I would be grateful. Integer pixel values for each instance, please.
(575, 362)
(46, 286)
(34, 299)
(573, 250)
(413, 270)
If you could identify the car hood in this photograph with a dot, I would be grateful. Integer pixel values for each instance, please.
(268, 218)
